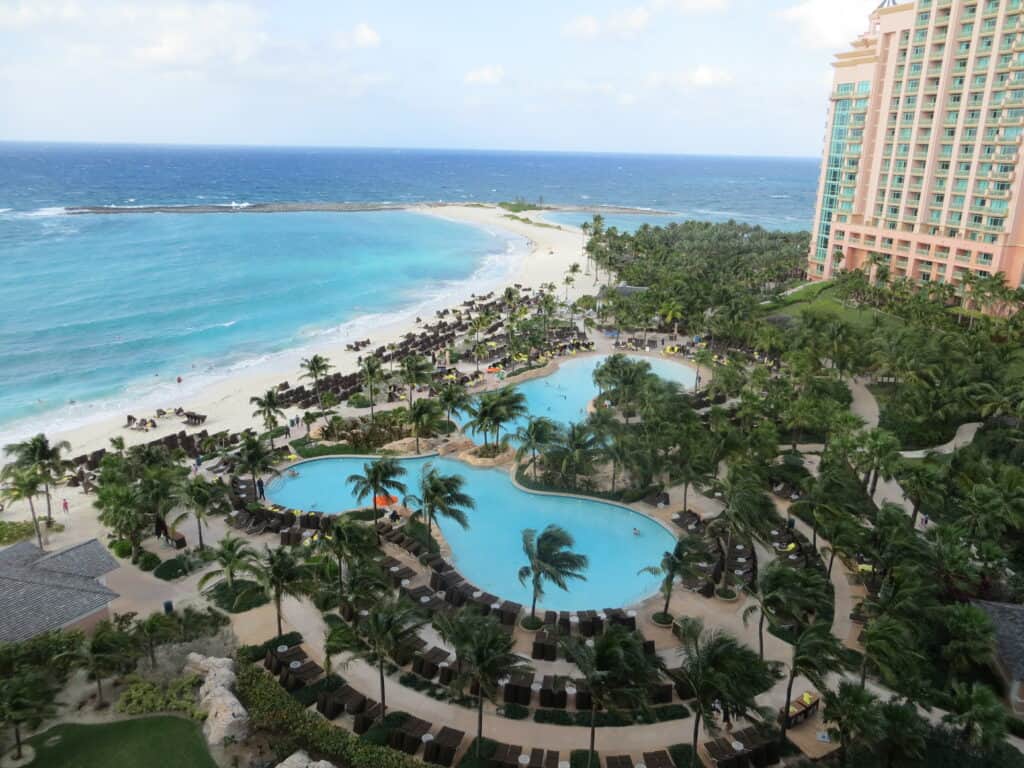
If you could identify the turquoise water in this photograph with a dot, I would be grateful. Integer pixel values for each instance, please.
(107, 310)
(489, 553)
(564, 395)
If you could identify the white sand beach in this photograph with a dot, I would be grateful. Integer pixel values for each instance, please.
(550, 252)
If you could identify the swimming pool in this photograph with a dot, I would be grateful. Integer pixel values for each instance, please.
(489, 553)
(564, 395)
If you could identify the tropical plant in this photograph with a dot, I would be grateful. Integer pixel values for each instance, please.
(46, 458)
(277, 573)
(678, 563)
(786, 594)
(970, 640)
(425, 419)
(316, 368)
(23, 484)
(815, 654)
(388, 628)
(550, 558)
(269, 409)
(617, 671)
(904, 732)
(234, 556)
(744, 501)
(415, 371)
(346, 542)
(379, 478)
(199, 497)
(978, 715)
(534, 438)
(101, 654)
(453, 398)
(26, 698)
(153, 630)
(254, 458)
(442, 496)
(889, 650)
(854, 716)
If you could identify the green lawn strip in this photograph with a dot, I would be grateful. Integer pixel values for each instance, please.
(241, 597)
(156, 742)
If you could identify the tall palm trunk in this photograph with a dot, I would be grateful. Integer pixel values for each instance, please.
(17, 741)
(277, 608)
(479, 721)
(383, 692)
(49, 511)
(696, 730)
(199, 530)
(784, 725)
(35, 523)
(593, 733)
(760, 634)
(376, 517)
(99, 688)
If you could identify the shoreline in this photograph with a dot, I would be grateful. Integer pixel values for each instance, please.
(224, 396)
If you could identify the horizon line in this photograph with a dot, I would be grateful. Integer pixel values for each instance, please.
(372, 148)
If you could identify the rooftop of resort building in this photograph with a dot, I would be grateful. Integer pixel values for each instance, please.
(42, 591)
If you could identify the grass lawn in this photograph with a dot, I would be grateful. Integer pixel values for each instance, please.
(819, 297)
(155, 742)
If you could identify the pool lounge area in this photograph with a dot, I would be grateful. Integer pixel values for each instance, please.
(489, 553)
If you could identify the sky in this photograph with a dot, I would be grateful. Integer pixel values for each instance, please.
(741, 77)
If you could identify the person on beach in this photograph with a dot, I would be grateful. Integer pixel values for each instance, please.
(259, 489)
(67, 509)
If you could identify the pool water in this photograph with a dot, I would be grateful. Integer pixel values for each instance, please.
(489, 553)
(564, 396)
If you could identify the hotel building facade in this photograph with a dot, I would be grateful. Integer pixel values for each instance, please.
(922, 163)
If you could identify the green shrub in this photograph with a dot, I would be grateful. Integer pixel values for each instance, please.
(12, 531)
(251, 654)
(683, 756)
(143, 697)
(307, 694)
(121, 548)
(272, 710)
(148, 561)
(172, 568)
(470, 759)
(515, 712)
(359, 400)
(581, 758)
(242, 596)
(532, 623)
(670, 712)
(380, 732)
(553, 717)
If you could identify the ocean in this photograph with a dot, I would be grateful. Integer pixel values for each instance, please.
(97, 311)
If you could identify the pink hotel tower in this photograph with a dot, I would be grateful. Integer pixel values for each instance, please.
(922, 161)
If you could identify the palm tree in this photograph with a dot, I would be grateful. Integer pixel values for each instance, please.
(550, 558)
(316, 368)
(816, 653)
(486, 654)
(534, 437)
(234, 556)
(425, 418)
(442, 496)
(389, 627)
(23, 484)
(786, 593)
(346, 542)
(904, 732)
(415, 370)
(379, 478)
(691, 465)
(372, 375)
(855, 716)
(879, 457)
(889, 650)
(978, 714)
(970, 639)
(279, 573)
(254, 458)
(744, 500)
(46, 458)
(121, 511)
(26, 698)
(453, 398)
(617, 671)
(717, 669)
(152, 631)
(679, 563)
(200, 497)
(269, 409)
(100, 654)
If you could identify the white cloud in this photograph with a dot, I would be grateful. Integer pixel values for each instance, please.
(33, 12)
(692, 6)
(365, 36)
(582, 28)
(829, 23)
(489, 75)
(186, 36)
(702, 76)
(629, 22)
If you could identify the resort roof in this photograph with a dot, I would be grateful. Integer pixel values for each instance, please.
(42, 591)
(1008, 620)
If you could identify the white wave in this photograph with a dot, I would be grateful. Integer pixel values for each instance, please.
(6, 210)
(779, 197)
(42, 213)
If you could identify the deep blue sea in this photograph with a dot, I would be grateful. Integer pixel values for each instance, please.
(102, 310)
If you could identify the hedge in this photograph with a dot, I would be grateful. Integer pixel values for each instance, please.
(487, 749)
(148, 561)
(272, 710)
(250, 654)
(307, 694)
(683, 756)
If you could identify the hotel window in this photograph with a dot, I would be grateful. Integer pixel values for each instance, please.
(844, 88)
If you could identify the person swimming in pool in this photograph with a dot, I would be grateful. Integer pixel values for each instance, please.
(636, 531)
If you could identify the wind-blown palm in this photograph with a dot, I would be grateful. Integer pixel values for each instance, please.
(486, 654)
(425, 419)
(679, 563)
(316, 368)
(853, 715)
(617, 671)
(346, 542)
(371, 374)
(453, 398)
(100, 654)
(279, 573)
(815, 654)
(786, 593)
(978, 714)
(535, 437)
(442, 496)
(269, 409)
(379, 478)
(24, 484)
(255, 459)
(45, 457)
(234, 556)
(199, 497)
(415, 370)
(388, 628)
(26, 698)
(550, 558)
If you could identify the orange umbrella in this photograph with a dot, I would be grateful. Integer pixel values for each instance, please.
(385, 501)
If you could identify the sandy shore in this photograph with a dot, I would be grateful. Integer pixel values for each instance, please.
(226, 402)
